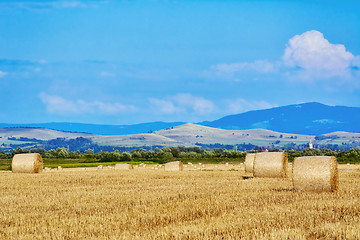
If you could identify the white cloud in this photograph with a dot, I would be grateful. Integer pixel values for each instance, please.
(317, 57)
(43, 61)
(182, 103)
(107, 74)
(356, 62)
(241, 105)
(2, 74)
(49, 4)
(164, 106)
(61, 106)
(308, 57)
(259, 66)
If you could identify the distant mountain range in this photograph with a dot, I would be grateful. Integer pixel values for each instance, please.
(100, 129)
(307, 118)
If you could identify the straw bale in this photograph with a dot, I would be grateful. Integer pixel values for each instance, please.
(27, 163)
(249, 163)
(123, 166)
(315, 173)
(174, 166)
(270, 164)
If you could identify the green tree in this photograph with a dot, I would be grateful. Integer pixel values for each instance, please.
(125, 156)
(175, 152)
(62, 153)
(20, 150)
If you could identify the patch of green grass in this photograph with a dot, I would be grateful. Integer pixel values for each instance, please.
(5, 164)
(15, 142)
(5, 167)
(77, 165)
(83, 162)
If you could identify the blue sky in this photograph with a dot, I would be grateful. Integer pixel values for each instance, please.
(125, 62)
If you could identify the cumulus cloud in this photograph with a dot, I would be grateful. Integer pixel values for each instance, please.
(317, 57)
(259, 66)
(182, 103)
(308, 57)
(241, 105)
(2, 74)
(61, 106)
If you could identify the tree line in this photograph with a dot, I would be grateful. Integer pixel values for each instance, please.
(165, 154)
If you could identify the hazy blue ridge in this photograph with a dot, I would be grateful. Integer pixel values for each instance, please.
(100, 129)
(307, 118)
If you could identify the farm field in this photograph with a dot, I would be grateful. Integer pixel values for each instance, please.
(214, 203)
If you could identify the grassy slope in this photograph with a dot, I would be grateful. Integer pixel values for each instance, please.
(187, 135)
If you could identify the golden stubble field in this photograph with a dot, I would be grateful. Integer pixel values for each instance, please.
(154, 204)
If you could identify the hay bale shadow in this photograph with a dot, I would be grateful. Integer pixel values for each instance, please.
(283, 190)
(246, 177)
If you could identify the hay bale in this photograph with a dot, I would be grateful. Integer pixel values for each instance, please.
(315, 173)
(27, 163)
(249, 163)
(174, 166)
(270, 164)
(123, 166)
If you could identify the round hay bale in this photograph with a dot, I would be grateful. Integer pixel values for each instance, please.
(315, 173)
(174, 166)
(249, 163)
(27, 163)
(270, 164)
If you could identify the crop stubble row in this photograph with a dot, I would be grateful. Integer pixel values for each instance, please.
(146, 204)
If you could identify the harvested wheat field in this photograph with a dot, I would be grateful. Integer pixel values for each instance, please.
(156, 204)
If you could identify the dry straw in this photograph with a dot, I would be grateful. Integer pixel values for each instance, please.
(174, 166)
(249, 163)
(27, 163)
(270, 164)
(123, 166)
(315, 173)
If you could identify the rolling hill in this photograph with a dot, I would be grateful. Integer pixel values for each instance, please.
(185, 135)
(191, 134)
(39, 133)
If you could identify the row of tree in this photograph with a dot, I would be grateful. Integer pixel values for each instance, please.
(182, 153)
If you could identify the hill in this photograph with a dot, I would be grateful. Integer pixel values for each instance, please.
(307, 118)
(185, 135)
(39, 134)
(193, 134)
